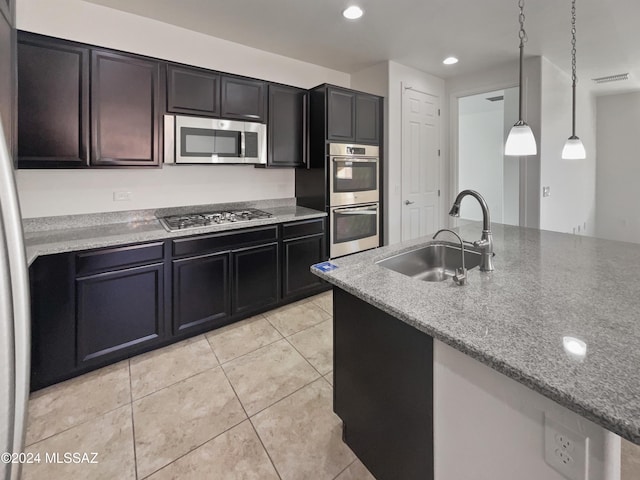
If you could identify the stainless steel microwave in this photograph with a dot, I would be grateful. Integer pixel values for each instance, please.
(199, 140)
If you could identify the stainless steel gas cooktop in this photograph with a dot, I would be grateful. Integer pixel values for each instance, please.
(175, 223)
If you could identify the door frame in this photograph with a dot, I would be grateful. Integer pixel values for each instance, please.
(403, 88)
(454, 139)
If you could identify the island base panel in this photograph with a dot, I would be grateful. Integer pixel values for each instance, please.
(383, 389)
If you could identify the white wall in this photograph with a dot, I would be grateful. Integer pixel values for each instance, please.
(572, 182)
(45, 192)
(400, 76)
(618, 167)
(480, 159)
(490, 427)
(499, 78)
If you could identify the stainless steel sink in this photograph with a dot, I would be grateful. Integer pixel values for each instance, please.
(432, 263)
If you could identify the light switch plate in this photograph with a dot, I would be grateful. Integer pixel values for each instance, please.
(546, 191)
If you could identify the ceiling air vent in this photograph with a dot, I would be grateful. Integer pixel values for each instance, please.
(496, 99)
(612, 78)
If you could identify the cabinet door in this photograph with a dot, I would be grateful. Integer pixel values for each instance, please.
(53, 319)
(340, 115)
(367, 119)
(287, 126)
(298, 256)
(256, 278)
(200, 291)
(243, 99)
(124, 110)
(192, 90)
(118, 313)
(53, 101)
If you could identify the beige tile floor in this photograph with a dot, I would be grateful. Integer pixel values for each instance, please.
(252, 400)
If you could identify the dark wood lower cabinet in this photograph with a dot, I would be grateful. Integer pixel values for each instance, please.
(298, 255)
(119, 310)
(96, 307)
(201, 292)
(256, 276)
(383, 389)
(53, 324)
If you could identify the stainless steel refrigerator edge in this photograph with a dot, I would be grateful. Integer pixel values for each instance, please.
(15, 320)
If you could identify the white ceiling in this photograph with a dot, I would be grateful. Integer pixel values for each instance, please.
(418, 33)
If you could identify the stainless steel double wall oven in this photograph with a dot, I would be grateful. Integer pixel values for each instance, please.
(353, 173)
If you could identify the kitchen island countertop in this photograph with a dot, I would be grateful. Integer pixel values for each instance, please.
(546, 286)
(49, 235)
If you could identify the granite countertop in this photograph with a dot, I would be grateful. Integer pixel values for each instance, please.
(49, 235)
(545, 286)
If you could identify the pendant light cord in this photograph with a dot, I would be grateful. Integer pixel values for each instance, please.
(523, 39)
(574, 78)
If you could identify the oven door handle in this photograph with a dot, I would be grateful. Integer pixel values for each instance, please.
(355, 160)
(369, 210)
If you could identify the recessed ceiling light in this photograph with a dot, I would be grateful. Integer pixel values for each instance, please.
(353, 12)
(450, 60)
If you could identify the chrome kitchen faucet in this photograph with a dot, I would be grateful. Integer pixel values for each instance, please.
(485, 244)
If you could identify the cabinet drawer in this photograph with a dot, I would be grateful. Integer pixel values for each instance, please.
(304, 228)
(121, 257)
(209, 243)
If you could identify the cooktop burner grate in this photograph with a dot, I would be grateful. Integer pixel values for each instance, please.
(176, 223)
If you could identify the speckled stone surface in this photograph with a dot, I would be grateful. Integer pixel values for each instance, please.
(545, 286)
(49, 235)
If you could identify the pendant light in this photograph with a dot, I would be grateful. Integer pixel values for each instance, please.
(573, 148)
(521, 141)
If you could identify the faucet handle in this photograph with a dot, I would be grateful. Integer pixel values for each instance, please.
(460, 277)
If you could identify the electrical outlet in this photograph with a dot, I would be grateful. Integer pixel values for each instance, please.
(565, 450)
(546, 191)
(122, 196)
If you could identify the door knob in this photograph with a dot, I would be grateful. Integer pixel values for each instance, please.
(407, 202)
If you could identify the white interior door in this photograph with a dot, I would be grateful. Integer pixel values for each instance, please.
(420, 164)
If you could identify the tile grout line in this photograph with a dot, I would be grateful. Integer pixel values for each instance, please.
(347, 467)
(133, 423)
(87, 420)
(305, 358)
(275, 469)
(287, 396)
(221, 433)
(195, 448)
(242, 405)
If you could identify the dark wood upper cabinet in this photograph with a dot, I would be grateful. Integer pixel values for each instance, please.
(343, 115)
(124, 110)
(193, 90)
(287, 126)
(53, 103)
(243, 99)
(367, 119)
(341, 107)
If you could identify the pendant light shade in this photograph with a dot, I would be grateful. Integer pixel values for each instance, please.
(521, 141)
(573, 148)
